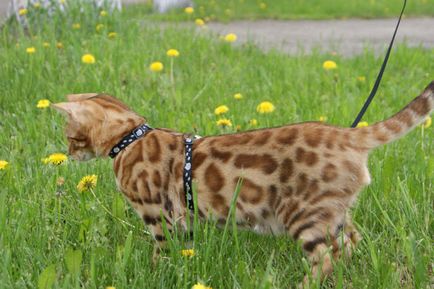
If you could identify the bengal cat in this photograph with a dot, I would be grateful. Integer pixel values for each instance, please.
(299, 179)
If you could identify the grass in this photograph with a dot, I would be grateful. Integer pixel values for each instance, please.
(54, 236)
(227, 10)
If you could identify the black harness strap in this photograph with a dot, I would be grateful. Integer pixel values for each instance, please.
(138, 132)
(187, 173)
(380, 74)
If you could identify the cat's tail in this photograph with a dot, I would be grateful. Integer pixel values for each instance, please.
(398, 125)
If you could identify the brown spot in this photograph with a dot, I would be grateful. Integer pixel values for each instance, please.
(213, 178)
(265, 213)
(382, 137)
(420, 105)
(286, 170)
(329, 194)
(154, 148)
(218, 203)
(156, 179)
(311, 245)
(262, 138)
(250, 218)
(220, 155)
(272, 195)
(240, 206)
(313, 137)
(329, 173)
(392, 126)
(149, 220)
(328, 155)
(198, 159)
(287, 192)
(312, 189)
(301, 183)
(287, 136)
(249, 191)
(405, 117)
(173, 144)
(265, 162)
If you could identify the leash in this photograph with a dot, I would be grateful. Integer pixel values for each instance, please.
(380, 74)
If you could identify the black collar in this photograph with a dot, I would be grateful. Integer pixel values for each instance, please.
(137, 133)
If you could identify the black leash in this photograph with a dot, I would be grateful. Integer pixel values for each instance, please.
(380, 74)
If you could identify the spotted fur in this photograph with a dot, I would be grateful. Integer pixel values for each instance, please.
(298, 179)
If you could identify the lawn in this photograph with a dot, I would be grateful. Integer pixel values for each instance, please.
(53, 236)
(226, 10)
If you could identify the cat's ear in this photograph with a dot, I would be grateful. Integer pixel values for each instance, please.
(69, 109)
(80, 96)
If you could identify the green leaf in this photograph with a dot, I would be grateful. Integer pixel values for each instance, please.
(73, 259)
(47, 277)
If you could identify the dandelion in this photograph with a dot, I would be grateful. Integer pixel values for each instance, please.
(361, 78)
(172, 53)
(265, 107)
(221, 109)
(103, 13)
(3, 164)
(110, 287)
(224, 122)
(88, 58)
(329, 65)
(189, 10)
(156, 66)
(428, 122)
(199, 22)
(22, 11)
(46, 44)
(76, 26)
(362, 124)
(30, 50)
(200, 286)
(87, 183)
(99, 27)
(322, 118)
(253, 122)
(37, 5)
(188, 253)
(263, 6)
(59, 45)
(238, 96)
(43, 103)
(112, 35)
(55, 159)
(231, 37)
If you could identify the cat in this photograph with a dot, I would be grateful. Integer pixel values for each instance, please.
(300, 179)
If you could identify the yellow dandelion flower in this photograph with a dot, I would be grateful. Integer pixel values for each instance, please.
(172, 53)
(221, 109)
(88, 58)
(46, 44)
(238, 96)
(253, 122)
(112, 35)
(362, 124)
(200, 286)
(189, 10)
(59, 45)
(224, 122)
(428, 122)
(156, 66)
(43, 103)
(329, 65)
(76, 26)
(231, 37)
(361, 78)
(30, 50)
(188, 253)
(3, 164)
(103, 13)
(265, 107)
(322, 118)
(22, 11)
(86, 183)
(37, 5)
(199, 22)
(55, 159)
(263, 6)
(99, 27)
(110, 287)
(62, 1)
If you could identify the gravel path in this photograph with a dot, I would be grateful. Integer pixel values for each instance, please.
(346, 37)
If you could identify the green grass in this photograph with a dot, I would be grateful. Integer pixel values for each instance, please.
(71, 238)
(226, 10)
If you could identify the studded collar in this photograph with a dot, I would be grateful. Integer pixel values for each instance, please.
(135, 134)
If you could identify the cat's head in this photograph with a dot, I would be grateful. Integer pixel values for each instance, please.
(95, 123)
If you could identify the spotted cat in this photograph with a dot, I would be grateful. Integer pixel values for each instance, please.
(299, 179)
